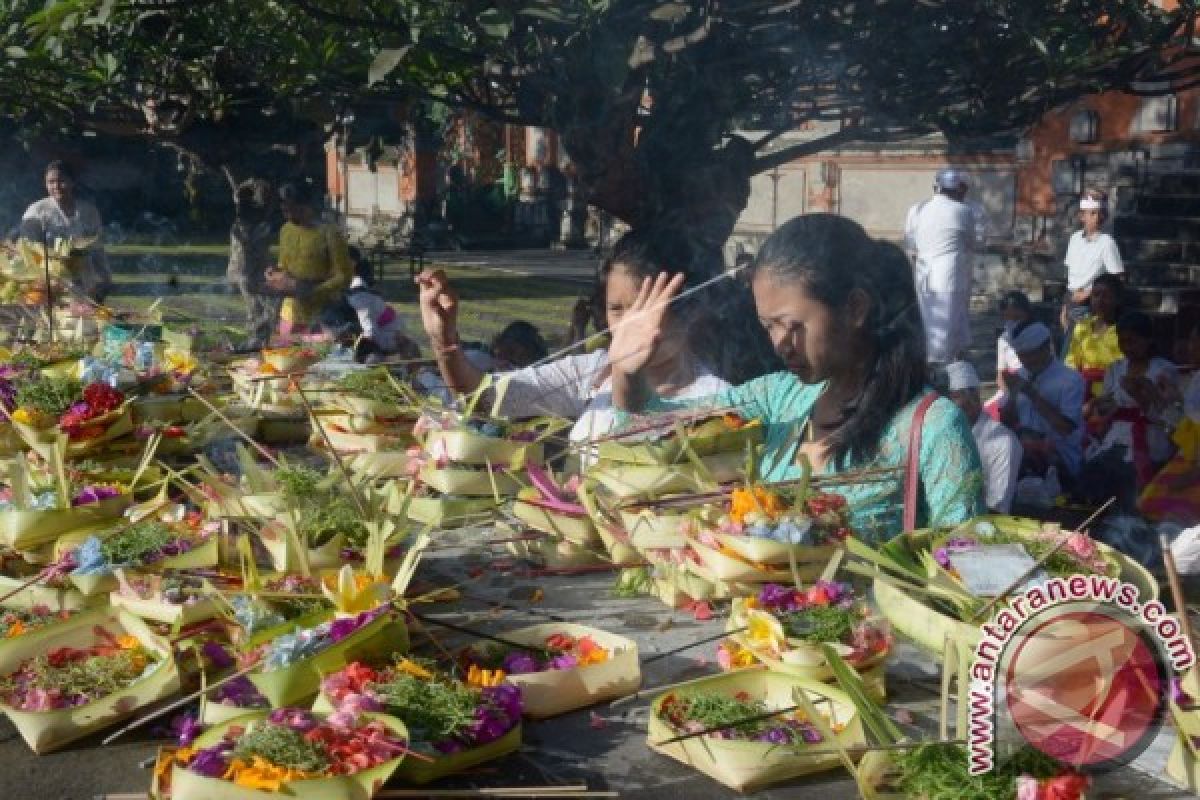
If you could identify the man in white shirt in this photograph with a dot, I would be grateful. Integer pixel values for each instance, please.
(942, 233)
(1090, 254)
(1044, 403)
(999, 448)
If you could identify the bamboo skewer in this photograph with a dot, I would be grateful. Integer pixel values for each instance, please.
(180, 703)
(632, 698)
(699, 498)
(262, 450)
(337, 459)
(395, 794)
(1041, 562)
(1177, 595)
(690, 645)
(472, 632)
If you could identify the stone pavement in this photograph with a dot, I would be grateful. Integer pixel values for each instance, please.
(602, 747)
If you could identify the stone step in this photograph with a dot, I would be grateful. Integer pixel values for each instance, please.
(1179, 182)
(1157, 250)
(1168, 205)
(1156, 227)
(1144, 273)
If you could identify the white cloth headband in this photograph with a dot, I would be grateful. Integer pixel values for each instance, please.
(1089, 204)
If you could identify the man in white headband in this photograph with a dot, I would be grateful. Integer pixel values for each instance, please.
(942, 234)
(1044, 403)
(1090, 253)
(999, 448)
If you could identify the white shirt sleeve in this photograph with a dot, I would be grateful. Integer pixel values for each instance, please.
(1111, 256)
(367, 305)
(910, 229)
(560, 388)
(1011, 462)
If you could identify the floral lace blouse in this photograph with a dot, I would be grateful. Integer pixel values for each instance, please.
(951, 489)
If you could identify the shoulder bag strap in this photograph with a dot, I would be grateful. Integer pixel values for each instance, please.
(912, 472)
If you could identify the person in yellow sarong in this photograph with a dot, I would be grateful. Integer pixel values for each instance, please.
(314, 262)
(1093, 346)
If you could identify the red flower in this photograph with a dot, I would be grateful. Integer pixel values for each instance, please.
(1067, 786)
(102, 398)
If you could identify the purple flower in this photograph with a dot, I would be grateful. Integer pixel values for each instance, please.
(240, 692)
(776, 597)
(219, 658)
(942, 556)
(341, 628)
(8, 392)
(810, 734)
(185, 728)
(505, 698)
(93, 494)
(1178, 696)
(519, 662)
(212, 762)
(564, 661)
(775, 736)
(295, 718)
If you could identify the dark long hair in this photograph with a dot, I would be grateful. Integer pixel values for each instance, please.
(831, 257)
(719, 319)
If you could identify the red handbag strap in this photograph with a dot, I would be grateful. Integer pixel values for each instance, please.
(912, 471)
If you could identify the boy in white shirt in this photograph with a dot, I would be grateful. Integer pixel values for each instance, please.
(1090, 253)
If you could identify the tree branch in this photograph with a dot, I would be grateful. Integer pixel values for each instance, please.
(842, 137)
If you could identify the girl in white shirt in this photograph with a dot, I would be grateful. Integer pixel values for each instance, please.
(579, 386)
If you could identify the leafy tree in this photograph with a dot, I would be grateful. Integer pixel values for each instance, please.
(648, 96)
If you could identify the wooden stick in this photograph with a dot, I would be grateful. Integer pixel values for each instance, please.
(396, 794)
(665, 424)
(337, 459)
(153, 715)
(514, 791)
(1041, 562)
(1181, 608)
(699, 498)
(632, 698)
(262, 450)
(726, 726)
(478, 634)
(690, 645)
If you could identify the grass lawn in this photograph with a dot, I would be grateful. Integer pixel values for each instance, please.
(191, 282)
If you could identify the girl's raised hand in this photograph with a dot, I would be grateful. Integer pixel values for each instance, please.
(636, 336)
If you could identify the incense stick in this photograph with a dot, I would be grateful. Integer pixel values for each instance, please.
(690, 645)
(358, 500)
(631, 698)
(1176, 589)
(478, 634)
(262, 450)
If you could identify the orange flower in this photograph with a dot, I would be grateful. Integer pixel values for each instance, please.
(758, 500)
(483, 678)
(128, 642)
(262, 774)
(590, 652)
(15, 630)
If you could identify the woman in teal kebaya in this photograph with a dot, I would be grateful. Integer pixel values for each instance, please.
(841, 311)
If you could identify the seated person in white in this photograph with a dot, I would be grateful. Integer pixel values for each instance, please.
(579, 386)
(999, 449)
(1044, 406)
(1136, 398)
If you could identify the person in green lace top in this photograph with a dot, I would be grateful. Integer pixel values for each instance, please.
(841, 311)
